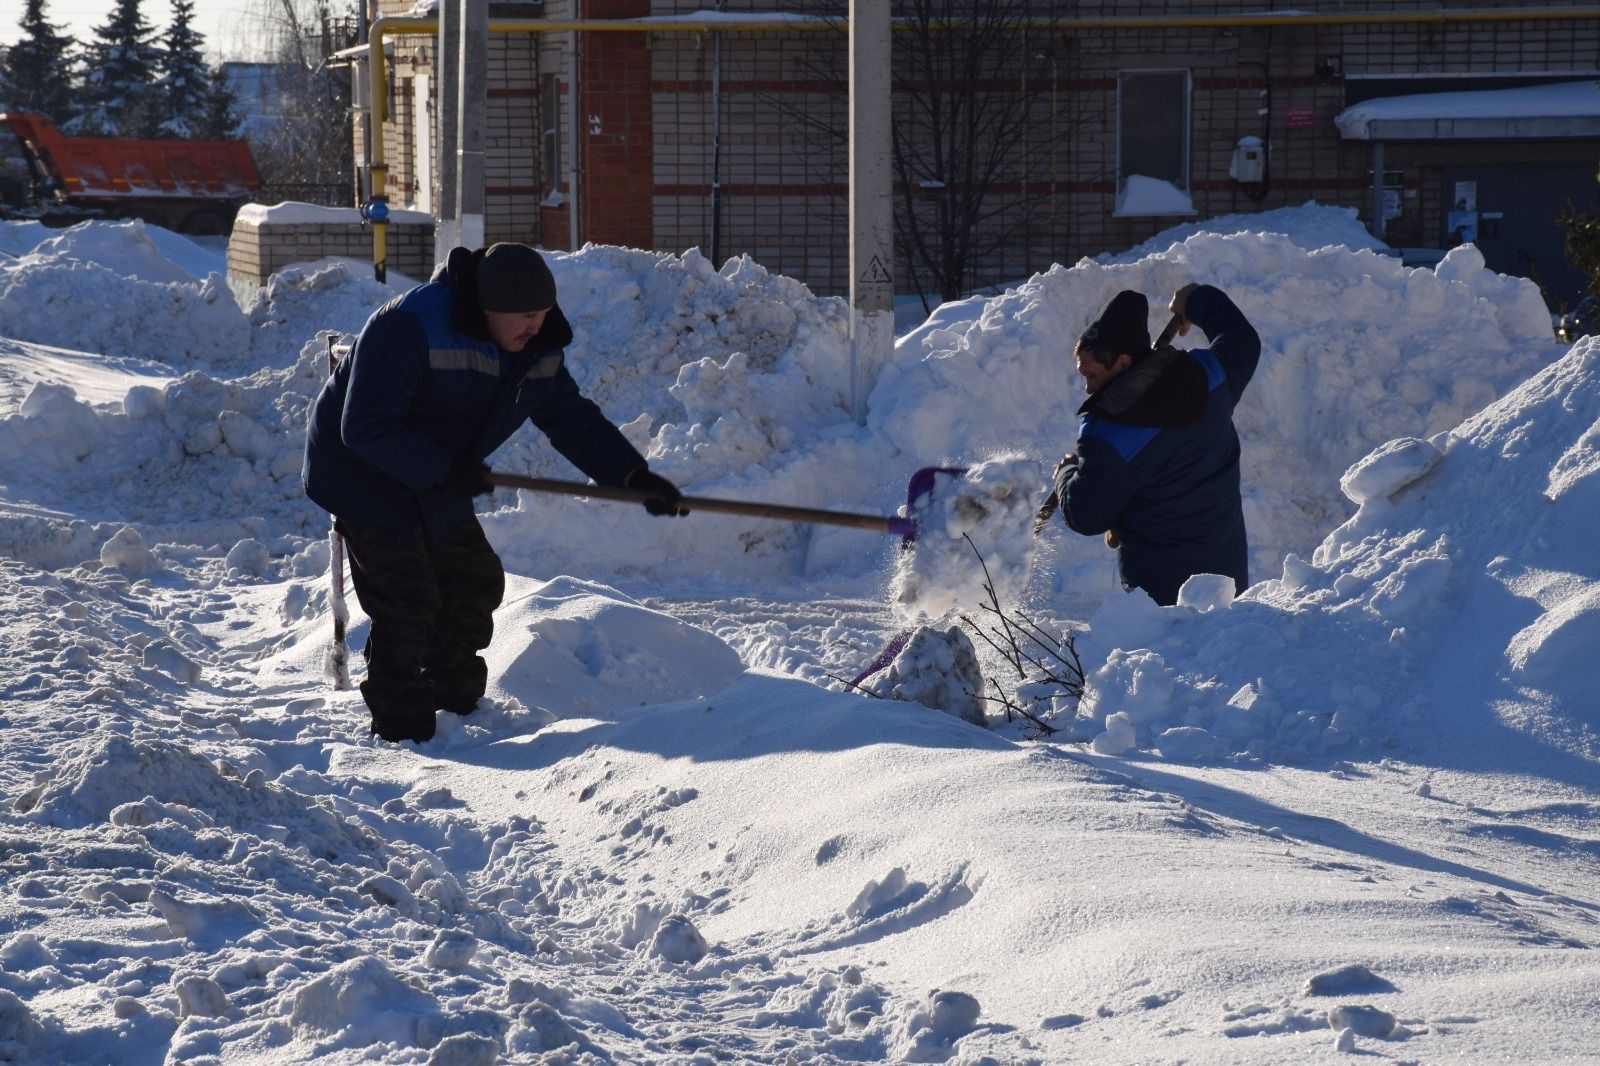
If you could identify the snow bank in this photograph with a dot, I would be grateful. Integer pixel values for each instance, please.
(1473, 547)
(734, 382)
(1356, 350)
(1310, 226)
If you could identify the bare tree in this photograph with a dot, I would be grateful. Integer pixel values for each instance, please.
(304, 150)
(982, 126)
(1046, 667)
(973, 82)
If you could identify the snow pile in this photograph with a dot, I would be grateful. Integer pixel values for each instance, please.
(333, 296)
(1356, 349)
(660, 839)
(734, 382)
(201, 452)
(1473, 547)
(585, 647)
(1309, 226)
(938, 669)
(108, 288)
(757, 365)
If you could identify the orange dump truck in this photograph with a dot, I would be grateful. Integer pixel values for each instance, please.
(191, 187)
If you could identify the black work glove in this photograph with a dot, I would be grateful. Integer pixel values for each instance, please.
(467, 477)
(1064, 469)
(1058, 479)
(664, 495)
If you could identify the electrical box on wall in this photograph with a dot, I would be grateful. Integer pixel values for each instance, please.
(1249, 165)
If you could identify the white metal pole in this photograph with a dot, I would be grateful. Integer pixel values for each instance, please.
(474, 113)
(446, 226)
(871, 205)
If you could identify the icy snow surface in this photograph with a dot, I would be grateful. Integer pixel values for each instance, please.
(1349, 812)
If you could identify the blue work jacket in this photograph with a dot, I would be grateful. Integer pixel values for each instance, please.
(424, 387)
(1158, 457)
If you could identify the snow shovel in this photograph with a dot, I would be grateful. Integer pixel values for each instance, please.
(920, 485)
(1051, 502)
(893, 525)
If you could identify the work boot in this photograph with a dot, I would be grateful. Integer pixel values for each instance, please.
(458, 687)
(417, 727)
(400, 711)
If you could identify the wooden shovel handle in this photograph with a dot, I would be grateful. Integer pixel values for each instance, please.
(893, 525)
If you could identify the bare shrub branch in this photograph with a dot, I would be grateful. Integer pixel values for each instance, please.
(1047, 665)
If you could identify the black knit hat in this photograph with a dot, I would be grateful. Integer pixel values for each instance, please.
(514, 278)
(1122, 328)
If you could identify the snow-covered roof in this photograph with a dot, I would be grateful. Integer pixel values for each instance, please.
(1543, 112)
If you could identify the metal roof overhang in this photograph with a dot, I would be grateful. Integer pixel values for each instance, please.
(1521, 128)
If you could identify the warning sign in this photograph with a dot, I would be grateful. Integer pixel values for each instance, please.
(876, 273)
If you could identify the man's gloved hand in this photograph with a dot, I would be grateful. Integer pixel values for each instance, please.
(1046, 511)
(1064, 469)
(467, 477)
(1112, 540)
(664, 495)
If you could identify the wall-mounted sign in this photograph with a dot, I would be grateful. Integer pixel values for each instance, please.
(1298, 118)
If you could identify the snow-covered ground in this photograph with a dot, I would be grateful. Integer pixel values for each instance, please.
(1349, 813)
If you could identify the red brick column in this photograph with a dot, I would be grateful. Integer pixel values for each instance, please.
(615, 114)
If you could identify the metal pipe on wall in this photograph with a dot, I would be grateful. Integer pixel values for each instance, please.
(574, 164)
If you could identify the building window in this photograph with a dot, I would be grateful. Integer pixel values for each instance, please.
(550, 137)
(1153, 143)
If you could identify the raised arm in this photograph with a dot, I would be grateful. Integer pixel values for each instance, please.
(1231, 337)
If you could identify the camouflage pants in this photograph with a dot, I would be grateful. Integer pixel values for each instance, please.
(432, 609)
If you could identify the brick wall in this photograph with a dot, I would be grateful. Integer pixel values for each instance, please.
(617, 138)
(256, 252)
(646, 158)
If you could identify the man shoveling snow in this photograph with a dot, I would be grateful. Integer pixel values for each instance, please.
(395, 450)
(1156, 467)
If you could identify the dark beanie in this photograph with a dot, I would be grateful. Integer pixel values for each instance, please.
(514, 278)
(1122, 328)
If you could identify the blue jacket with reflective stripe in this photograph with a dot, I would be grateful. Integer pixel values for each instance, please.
(425, 386)
(1158, 457)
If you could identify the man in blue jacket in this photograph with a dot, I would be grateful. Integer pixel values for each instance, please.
(395, 447)
(1156, 468)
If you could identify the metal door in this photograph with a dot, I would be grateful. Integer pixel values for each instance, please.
(1509, 211)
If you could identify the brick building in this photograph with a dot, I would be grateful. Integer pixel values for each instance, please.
(1137, 115)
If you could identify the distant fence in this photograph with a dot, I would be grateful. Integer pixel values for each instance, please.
(337, 194)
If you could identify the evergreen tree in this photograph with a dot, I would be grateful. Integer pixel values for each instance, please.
(220, 117)
(183, 84)
(35, 75)
(119, 73)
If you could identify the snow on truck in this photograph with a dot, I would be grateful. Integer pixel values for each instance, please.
(191, 187)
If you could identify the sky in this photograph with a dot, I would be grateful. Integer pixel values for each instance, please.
(225, 23)
(1346, 814)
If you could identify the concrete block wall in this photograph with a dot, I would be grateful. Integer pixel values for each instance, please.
(256, 252)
